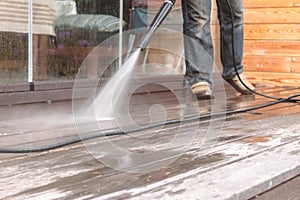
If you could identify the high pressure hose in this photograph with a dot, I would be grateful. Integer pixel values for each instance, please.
(164, 10)
(288, 99)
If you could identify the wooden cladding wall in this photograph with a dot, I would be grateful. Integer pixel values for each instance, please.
(272, 41)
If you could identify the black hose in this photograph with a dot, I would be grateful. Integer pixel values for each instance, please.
(119, 132)
(290, 99)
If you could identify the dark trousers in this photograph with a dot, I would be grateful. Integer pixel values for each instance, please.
(199, 52)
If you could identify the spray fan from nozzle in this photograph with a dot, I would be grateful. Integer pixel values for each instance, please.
(158, 19)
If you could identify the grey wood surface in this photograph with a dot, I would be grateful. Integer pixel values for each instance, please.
(237, 156)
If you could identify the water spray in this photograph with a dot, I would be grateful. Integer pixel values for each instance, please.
(158, 19)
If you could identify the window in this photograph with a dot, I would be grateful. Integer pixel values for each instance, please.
(49, 39)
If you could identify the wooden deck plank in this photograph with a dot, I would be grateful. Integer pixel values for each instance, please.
(72, 172)
(287, 190)
(140, 109)
(64, 129)
(226, 182)
(78, 156)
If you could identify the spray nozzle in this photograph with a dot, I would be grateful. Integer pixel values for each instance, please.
(158, 19)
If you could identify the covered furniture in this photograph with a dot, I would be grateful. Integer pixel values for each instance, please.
(67, 18)
(77, 33)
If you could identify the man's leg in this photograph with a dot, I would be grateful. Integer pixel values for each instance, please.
(198, 42)
(227, 38)
(226, 20)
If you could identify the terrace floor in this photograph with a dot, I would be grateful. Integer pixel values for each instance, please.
(255, 154)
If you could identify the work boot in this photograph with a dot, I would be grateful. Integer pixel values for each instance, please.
(236, 84)
(202, 90)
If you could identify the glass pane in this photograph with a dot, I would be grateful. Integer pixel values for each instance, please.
(13, 41)
(66, 31)
(14, 35)
(13, 56)
(80, 26)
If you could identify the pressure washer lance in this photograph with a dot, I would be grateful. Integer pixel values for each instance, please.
(158, 19)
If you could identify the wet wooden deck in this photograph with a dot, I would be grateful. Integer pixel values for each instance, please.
(243, 155)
